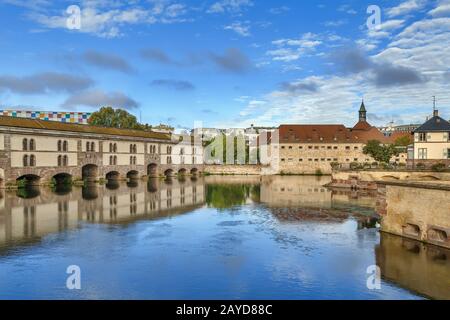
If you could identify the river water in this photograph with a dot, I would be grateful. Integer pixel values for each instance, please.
(208, 238)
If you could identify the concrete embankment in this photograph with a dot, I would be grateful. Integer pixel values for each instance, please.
(416, 210)
(368, 180)
(236, 170)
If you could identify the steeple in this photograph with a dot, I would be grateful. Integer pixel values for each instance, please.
(362, 112)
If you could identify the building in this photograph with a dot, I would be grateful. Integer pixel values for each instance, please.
(40, 151)
(308, 149)
(66, 117)
(432, 143)
(391, 128)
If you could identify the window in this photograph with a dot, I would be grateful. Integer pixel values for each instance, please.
(169, 160)
(92, 146)
(65, 161)
(59, 161)
(88, 146)
(32, 145)
(110, 148)
(25, 144)
(32, 161)
(115, 160)
(423, 153)
(422, 137)
(115, 148)
(25, 160)
(448, 153)
(347, 148)
(65, 146)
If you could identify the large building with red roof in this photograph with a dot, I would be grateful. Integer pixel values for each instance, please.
(305, 149)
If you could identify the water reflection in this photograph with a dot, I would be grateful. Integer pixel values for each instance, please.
(415, 266)
(309, 223)
(34, 212)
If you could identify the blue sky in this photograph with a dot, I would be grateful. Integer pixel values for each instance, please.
(228, 63)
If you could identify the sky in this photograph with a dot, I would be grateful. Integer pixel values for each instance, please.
(228, 63)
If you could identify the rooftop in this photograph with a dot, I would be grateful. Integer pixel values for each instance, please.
(79, 128)
(435, 124)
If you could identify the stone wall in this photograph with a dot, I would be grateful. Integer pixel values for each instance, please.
(368, 179)
(243, 170)
(419, 211)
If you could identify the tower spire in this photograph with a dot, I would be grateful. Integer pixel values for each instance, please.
(362, 112)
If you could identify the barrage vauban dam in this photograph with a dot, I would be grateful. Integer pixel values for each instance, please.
(42, 152)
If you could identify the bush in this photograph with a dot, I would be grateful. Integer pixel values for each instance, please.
(367, 166)
(420, 166)
(439, 167)
(335, 165)
(386, 166)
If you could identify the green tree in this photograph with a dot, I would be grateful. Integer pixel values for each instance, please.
(404, 141)
(115, 118)
(380, 152)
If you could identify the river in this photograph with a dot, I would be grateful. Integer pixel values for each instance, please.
(208, 238)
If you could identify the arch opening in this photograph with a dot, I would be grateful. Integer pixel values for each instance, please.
(168, 173)
(182, 172)
(28, 180)
(194, 171)
(113, 176)
(62, 179)
(152, 170)
(89, 172)
(133, 175)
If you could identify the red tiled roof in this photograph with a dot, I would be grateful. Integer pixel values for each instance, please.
(362, 125)
(331, 134)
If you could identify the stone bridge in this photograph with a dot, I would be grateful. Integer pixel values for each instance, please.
(94, 172)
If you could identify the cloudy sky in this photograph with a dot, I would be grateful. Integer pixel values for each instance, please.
(228, 63)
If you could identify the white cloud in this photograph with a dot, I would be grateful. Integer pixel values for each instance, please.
(420, 46)
(239, 28)
(106, 18)
(292, 49)
(442, 9)
(232, 6)
(406, 7)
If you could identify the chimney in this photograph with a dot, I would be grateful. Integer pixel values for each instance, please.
(435, 113)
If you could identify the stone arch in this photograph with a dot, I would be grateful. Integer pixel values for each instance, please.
(152, 170)
(62, 178)
(89, 172)
(133, 175)
(113, 175)
(194, 171)
(30, 179)
(182, 172)
(169, 173)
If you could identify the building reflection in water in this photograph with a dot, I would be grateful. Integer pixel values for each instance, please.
(29, 214)
(415, 266)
